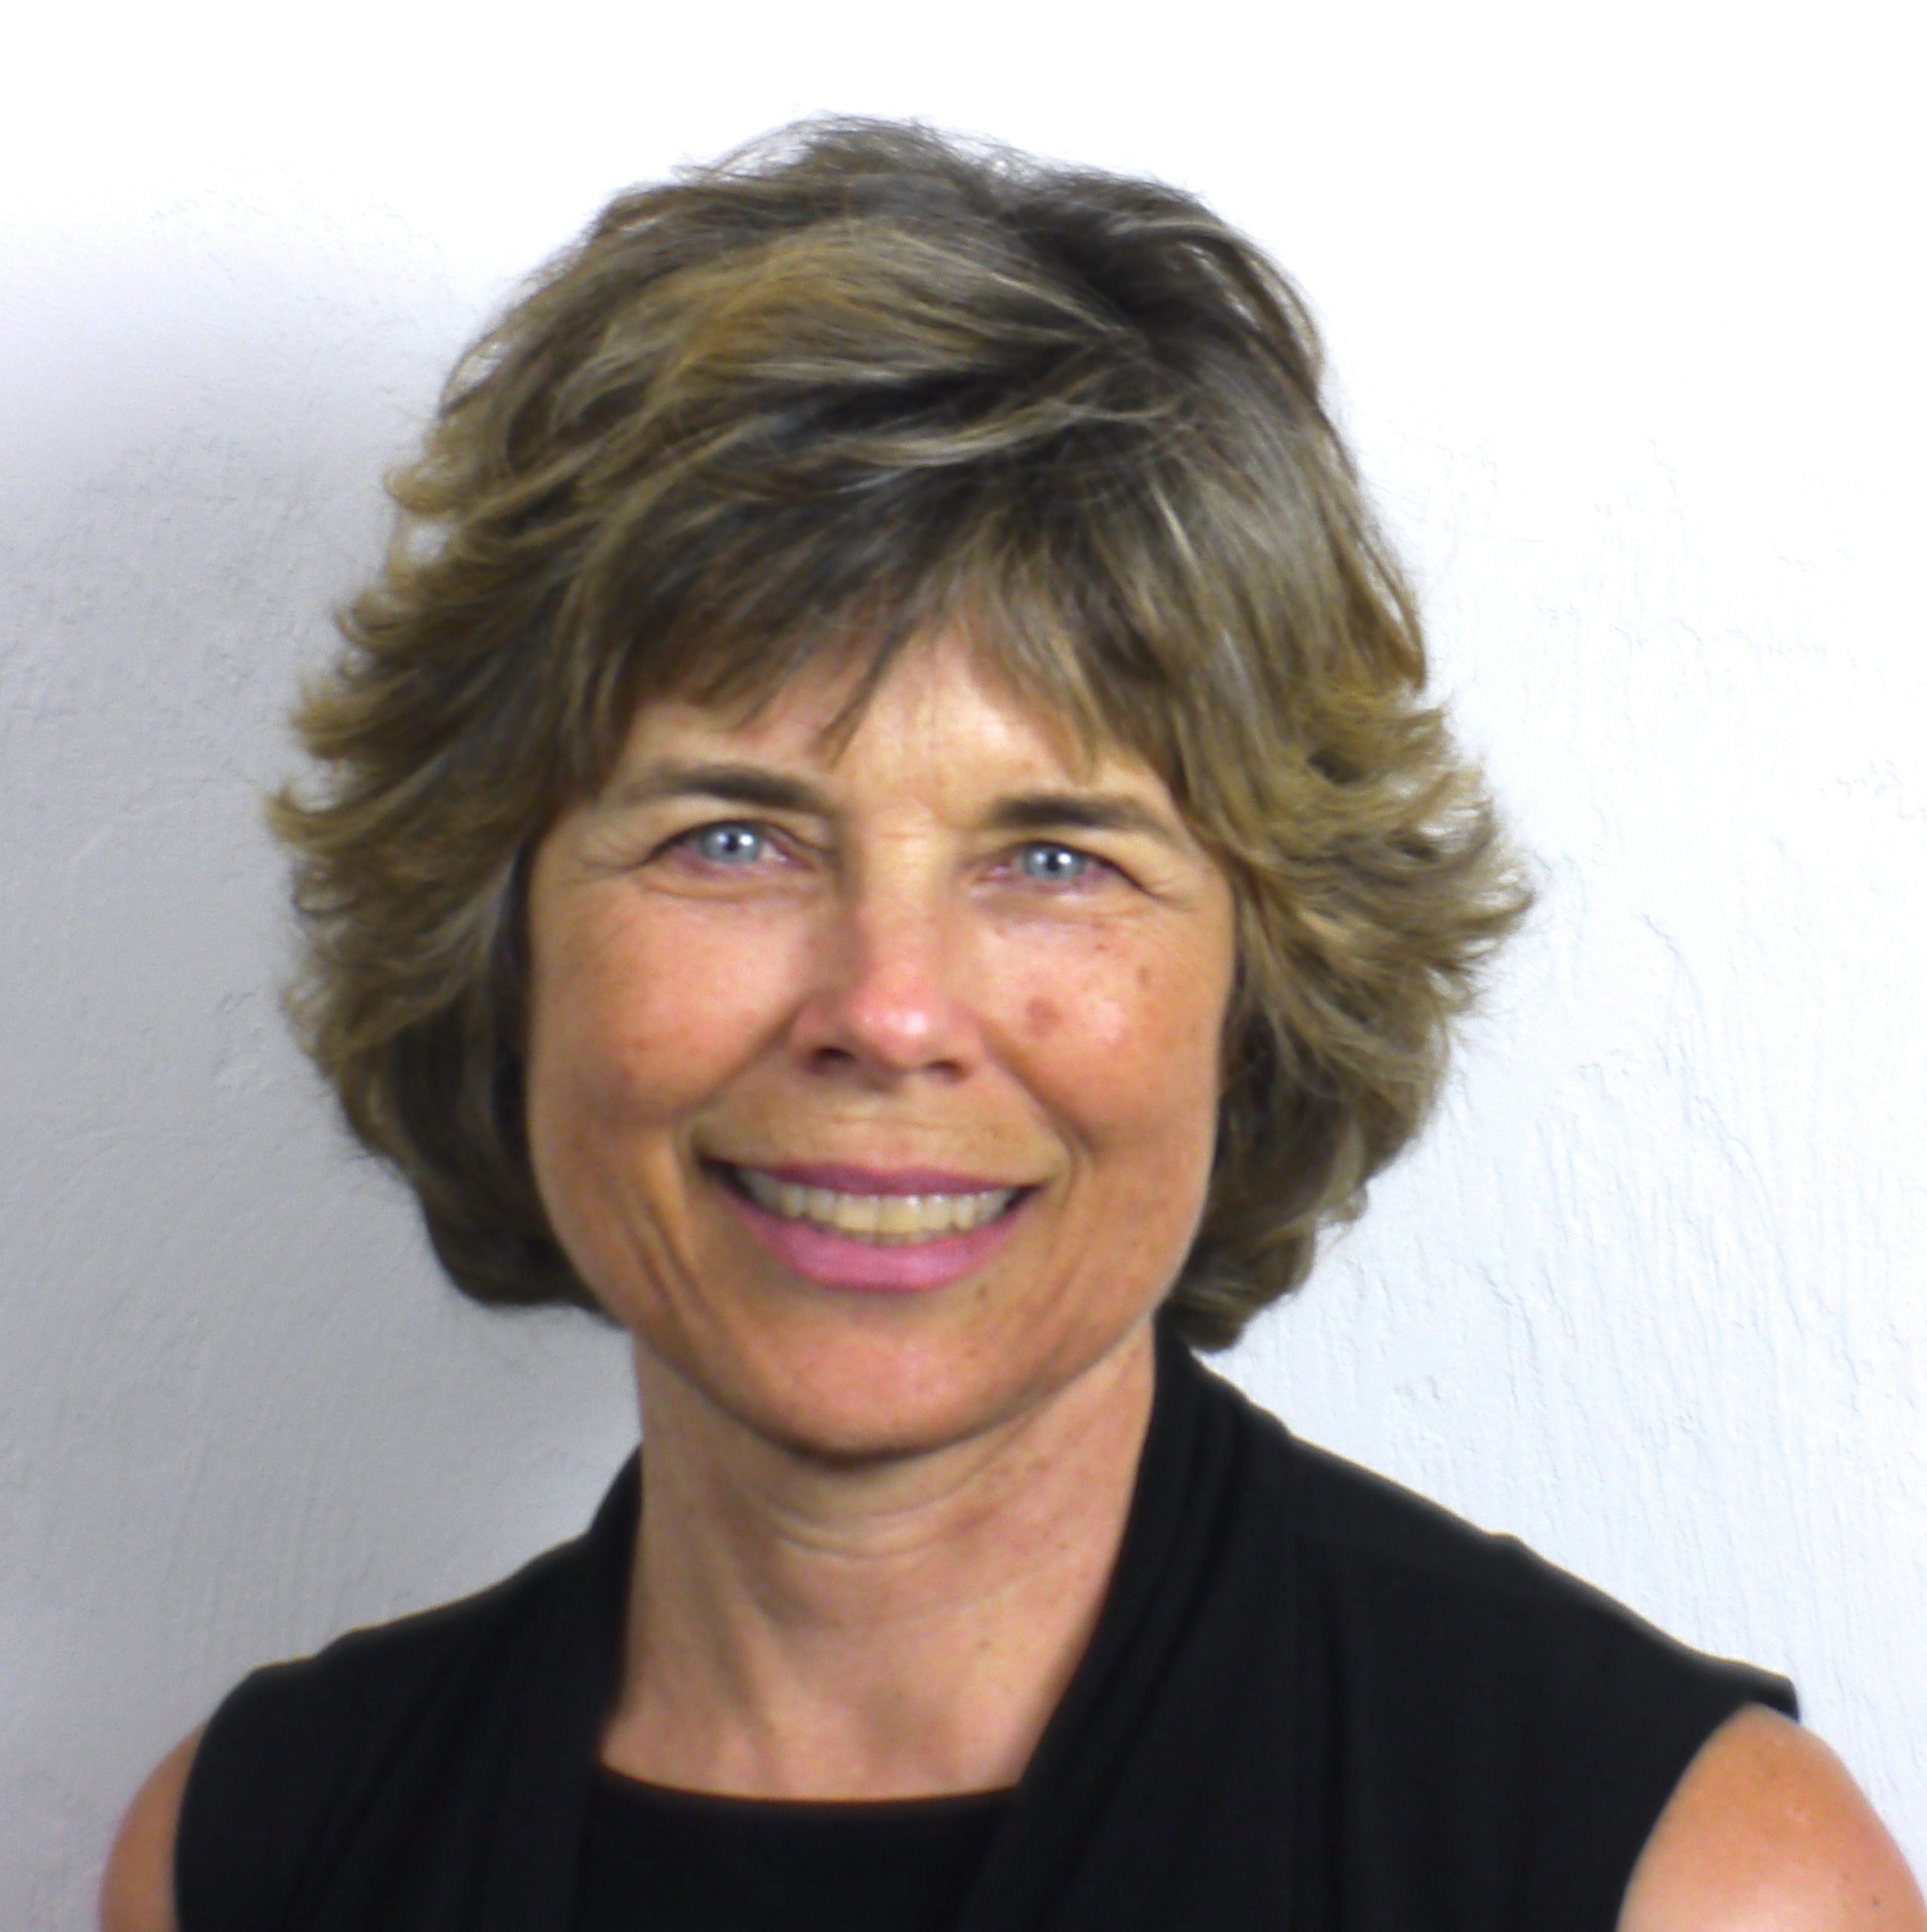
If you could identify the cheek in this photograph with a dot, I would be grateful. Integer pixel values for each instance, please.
(1041, 1017)
(1128, 1046)
(632, 1022)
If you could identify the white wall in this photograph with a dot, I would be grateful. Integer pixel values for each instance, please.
(1627, 305)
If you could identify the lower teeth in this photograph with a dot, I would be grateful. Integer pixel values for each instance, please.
(882, 1240)
(879, 1240)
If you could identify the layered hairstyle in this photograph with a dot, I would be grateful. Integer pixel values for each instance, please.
(855, 382)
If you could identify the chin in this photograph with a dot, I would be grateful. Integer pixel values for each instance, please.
(875, 1405)
(834, 1439)
(861, 1394)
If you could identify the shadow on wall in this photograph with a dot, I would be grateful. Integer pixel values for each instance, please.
(239, 1408)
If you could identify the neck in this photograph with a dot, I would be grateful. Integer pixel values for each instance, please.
(797, 1629)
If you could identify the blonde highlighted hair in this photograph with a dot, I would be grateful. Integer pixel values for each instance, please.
(855, 382)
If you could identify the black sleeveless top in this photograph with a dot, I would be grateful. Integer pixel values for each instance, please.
(1313, 1703)
(676, 1861)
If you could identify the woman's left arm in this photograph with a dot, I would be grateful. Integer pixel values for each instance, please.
(1767, 1833)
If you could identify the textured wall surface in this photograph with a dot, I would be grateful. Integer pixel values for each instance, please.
(1626, 309)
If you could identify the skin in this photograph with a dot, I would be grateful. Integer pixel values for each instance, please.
(1768, 1832)
(877, 1529)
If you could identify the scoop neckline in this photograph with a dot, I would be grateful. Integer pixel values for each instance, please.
(736, 1804)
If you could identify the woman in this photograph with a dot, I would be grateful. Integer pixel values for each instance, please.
(881, 832)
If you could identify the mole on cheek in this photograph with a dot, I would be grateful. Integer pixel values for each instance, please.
(1041, 1016)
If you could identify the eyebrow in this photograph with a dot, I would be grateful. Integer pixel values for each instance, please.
(1086, 811)
(757, 786)
(738, 784)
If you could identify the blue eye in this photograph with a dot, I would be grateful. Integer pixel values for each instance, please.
(1054, 865)
(728, 844)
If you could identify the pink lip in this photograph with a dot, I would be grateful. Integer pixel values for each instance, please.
(841, 1179)
(843, 1261)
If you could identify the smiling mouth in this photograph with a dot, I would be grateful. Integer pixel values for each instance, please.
(882, 1220)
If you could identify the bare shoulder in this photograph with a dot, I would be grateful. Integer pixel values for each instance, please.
(136, 1894)
(1767, 1833)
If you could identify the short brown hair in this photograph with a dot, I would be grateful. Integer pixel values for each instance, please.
(850, 384)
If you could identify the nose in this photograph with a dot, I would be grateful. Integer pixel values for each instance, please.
(887, 1000)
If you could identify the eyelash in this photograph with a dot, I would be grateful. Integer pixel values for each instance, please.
(687, 842)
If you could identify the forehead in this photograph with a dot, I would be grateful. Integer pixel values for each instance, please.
(941, 710)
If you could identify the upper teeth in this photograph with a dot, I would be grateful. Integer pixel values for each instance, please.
(884, 1217)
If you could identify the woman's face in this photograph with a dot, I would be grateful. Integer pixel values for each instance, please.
(874, 1092)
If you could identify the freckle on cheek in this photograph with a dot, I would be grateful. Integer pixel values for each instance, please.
(1041, 1016)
